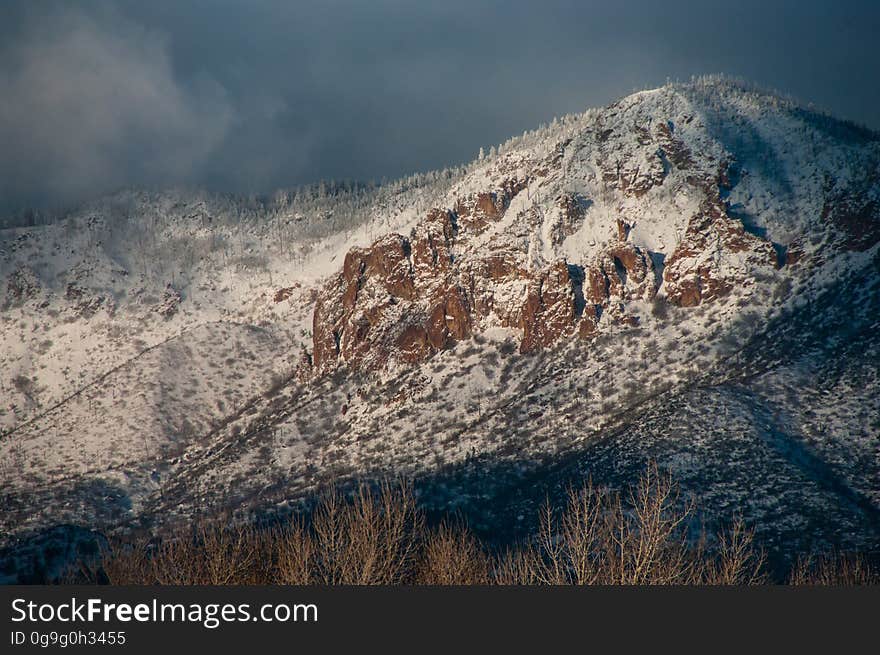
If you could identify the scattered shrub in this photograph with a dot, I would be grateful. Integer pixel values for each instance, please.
(660, 308)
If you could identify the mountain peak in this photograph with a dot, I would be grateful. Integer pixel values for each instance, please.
(683, 193)
(584, 296)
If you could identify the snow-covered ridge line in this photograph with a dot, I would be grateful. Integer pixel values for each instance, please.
(518, 307)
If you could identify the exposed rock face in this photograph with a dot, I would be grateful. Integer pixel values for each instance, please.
(549, 310)
(432, 242)
(672, 148)
(401, 296)
(406, 298)
(637, 179)
(477, 212)
(794, 253)
(634, 270)
(647, 165)
(387, 261)
(325, 326)
(571, 211)
(715, 253)
(851, 209)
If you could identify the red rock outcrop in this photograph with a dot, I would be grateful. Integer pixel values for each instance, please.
(597, 288)
(475, 213)
(620, 272)
(714, 256)
(636, 180)
(652, 155)
(397, 297)
(404, 299)
(570, 216)
(284, 293)
(386, 261)
(672, 148)
(548, 312)
(432, 242)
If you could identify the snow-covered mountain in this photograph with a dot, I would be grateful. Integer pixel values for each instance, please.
(691, 274)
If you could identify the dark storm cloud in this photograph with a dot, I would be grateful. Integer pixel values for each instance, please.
(91, 103)
(251, 96)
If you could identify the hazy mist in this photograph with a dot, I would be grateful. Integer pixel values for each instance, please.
(252, 96)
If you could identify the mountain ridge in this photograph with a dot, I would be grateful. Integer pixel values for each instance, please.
(524, 310)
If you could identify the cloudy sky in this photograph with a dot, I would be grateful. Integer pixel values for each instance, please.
(249, 96)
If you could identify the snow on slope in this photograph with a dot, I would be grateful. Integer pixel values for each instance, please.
(755, 219)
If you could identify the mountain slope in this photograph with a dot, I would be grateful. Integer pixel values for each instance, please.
(690, 274)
